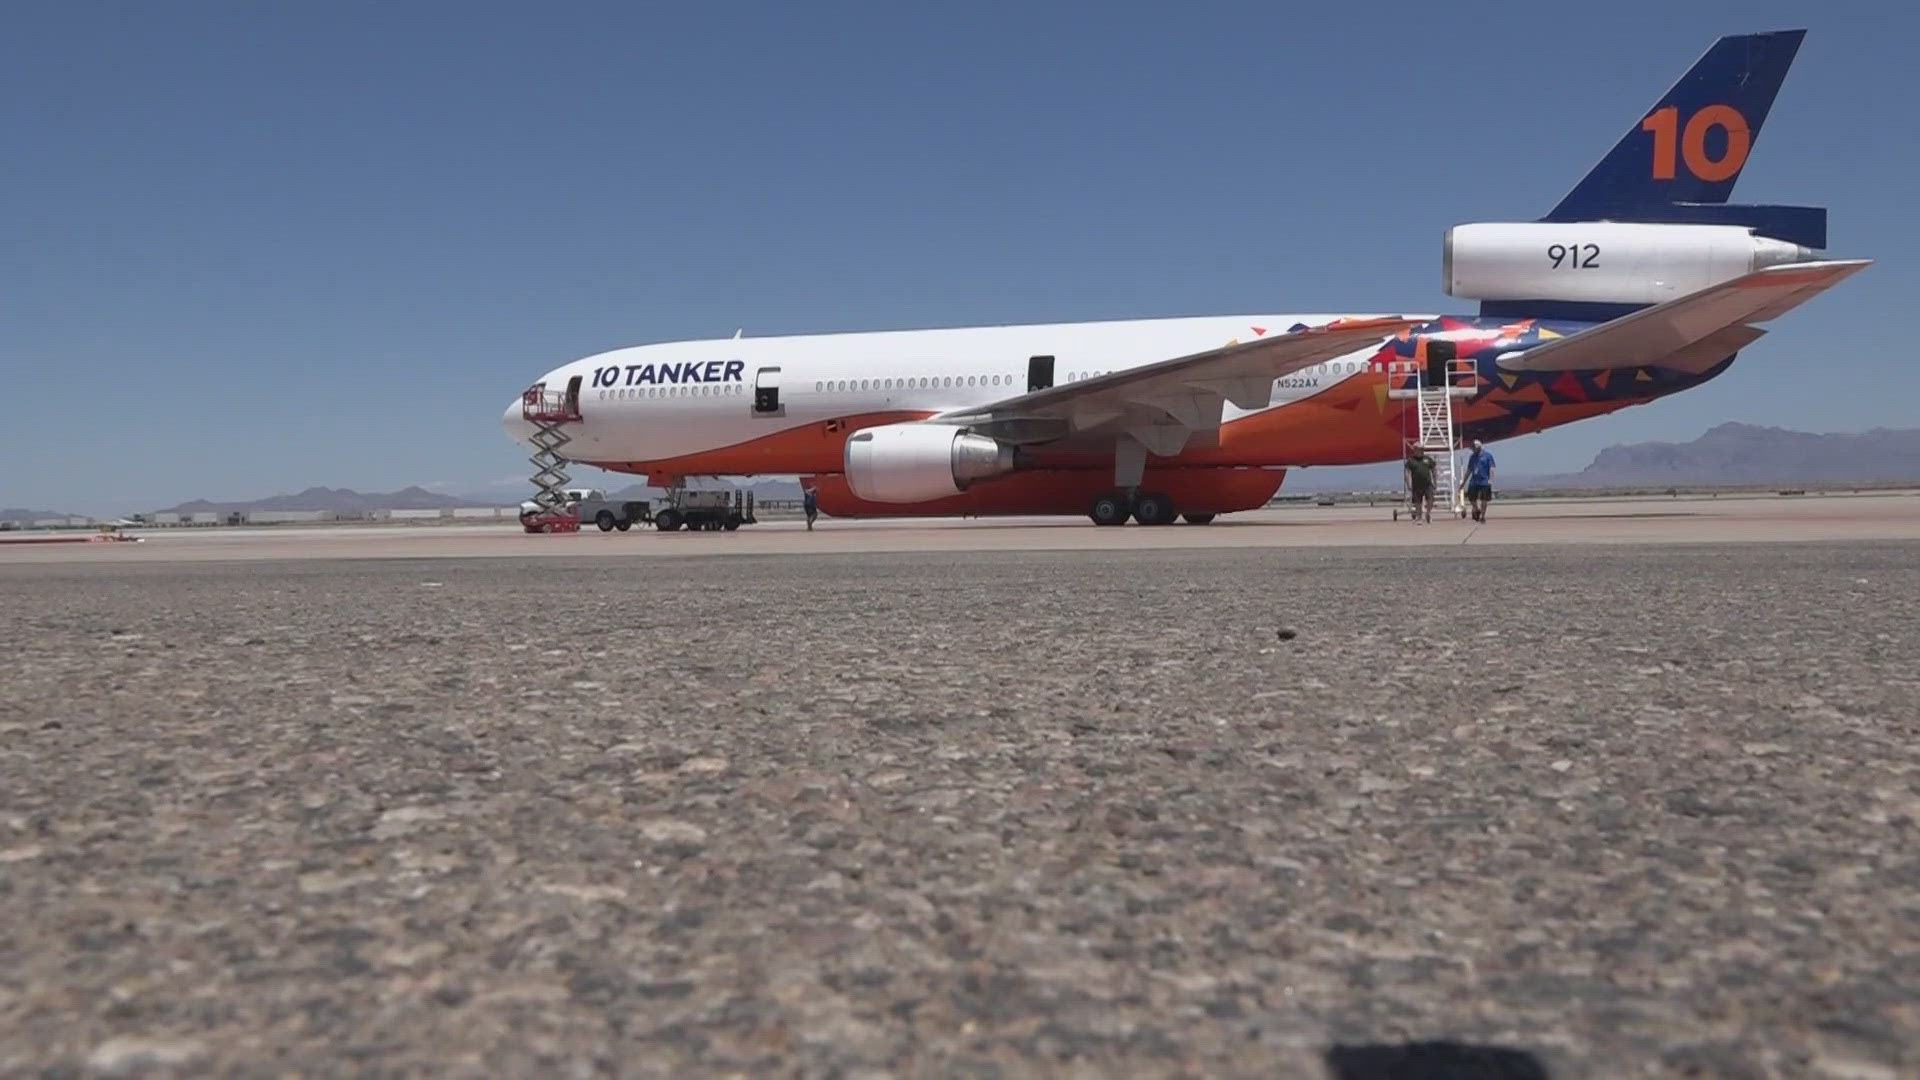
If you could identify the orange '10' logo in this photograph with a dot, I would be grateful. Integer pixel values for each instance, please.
(1691, 143)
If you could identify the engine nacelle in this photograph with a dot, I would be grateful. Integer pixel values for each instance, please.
(909, 463)
(1603, 261)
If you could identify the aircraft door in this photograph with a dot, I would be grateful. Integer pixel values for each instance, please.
(766, 393)
(1440, 353)
(1039, 373)
(573, 395)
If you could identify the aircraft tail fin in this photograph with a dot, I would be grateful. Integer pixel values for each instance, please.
(1693, 143)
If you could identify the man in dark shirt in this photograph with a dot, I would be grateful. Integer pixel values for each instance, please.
(1420, 483)
(810, 502)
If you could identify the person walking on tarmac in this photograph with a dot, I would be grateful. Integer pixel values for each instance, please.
(1479, 480)
(1420, 470)
(810, 501)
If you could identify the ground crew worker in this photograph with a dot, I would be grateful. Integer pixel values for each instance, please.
(811, 503)
(1480, 480)
(1420, 469)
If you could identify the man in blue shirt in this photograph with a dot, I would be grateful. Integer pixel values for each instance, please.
(1479, 480)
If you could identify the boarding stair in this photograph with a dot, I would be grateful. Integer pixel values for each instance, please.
(1432, 386)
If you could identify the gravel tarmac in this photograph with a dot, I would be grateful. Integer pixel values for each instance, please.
(1591, 812)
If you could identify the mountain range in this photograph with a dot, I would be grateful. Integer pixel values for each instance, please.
(1745, 455)
(17, 515)
(325, 498)
(1730, 455)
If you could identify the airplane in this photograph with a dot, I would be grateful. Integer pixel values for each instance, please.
(1643, 281)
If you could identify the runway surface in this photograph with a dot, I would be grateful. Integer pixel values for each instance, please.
(1884, 516)
(1577, 808)
(1591, 810)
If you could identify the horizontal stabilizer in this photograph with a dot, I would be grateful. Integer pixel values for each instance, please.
(1803, 225)
(1688, 328)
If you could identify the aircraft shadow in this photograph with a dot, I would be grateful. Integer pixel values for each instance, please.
(1435, 1060)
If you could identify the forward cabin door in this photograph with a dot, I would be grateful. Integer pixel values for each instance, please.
(766, 393)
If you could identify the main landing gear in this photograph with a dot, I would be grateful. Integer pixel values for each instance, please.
(1145, 507)
(1126, 500)
(1112, 508)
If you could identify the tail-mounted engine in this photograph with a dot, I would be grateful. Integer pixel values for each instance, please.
(1604, 261)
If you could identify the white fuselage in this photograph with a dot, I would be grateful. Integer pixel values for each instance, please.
(672, 400)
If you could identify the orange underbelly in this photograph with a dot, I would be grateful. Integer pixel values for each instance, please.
(1065, 491)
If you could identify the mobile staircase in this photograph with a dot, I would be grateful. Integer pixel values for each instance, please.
(1433, 384)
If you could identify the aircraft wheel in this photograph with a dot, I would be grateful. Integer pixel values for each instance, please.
(604, 519)
(1153, 509)
(623, 524)
(1198, 519)
(667, 521)
(1110, 509)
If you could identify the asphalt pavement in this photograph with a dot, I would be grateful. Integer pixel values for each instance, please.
(1742, 518)
(1594, 811)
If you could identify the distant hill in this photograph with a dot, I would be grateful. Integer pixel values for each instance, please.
(1342, 478)
(1738, 455)
(342, 499)
(1731, 455)
(20, 516)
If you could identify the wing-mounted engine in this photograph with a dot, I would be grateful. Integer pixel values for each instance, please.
(1604, 261)
(918, 462)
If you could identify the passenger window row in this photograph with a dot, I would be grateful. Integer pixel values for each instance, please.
(685, 390)
(844, 386)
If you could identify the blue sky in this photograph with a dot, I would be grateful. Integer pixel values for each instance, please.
(253, 247)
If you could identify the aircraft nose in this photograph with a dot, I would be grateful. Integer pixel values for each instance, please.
(516, 425)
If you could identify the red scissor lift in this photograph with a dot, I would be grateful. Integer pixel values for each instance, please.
(549, 411)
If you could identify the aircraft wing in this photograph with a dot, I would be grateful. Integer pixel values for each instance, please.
(1700, 328)
(1163, 404)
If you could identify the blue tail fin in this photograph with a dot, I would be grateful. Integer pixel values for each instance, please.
(1695, 140)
